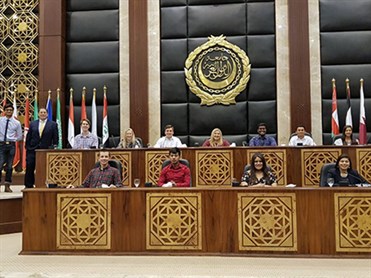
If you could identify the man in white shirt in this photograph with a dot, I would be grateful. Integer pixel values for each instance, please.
(168, 141)
(300, 139)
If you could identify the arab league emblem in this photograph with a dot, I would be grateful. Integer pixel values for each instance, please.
(217, 71)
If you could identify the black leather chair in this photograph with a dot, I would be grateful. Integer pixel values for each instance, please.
(323, 176)
(336, 137)
(182, 160)
(113, 163)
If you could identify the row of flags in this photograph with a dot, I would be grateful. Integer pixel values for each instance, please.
(71, 118)
(348, 118)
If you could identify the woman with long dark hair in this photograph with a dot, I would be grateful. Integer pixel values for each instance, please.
(347, 138)
(259, 174)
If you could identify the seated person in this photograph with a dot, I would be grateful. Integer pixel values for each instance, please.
(175, 174)
(300, 139)
(102, 176)
(85, 140)
(129, 141)
(347, 138)
(262, 139)
(216, 139)
(168, 141)
(259, 174)
(343, 174)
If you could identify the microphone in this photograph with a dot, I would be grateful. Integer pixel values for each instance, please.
(197, 144)
(360, 179)
(244, 143)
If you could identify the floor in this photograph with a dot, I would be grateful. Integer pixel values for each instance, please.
(13, 265)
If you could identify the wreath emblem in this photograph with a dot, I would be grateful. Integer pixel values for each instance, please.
(217, 71)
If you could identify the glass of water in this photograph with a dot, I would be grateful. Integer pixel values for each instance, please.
(330, 181)
(136, 182)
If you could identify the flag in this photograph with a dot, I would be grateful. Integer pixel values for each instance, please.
(49, 106)
(36, 107)
(4, 103)
(71, 121)
(83, 107)
(94, 114)
(334, 117)
(59, 121)
(348, 117)
(362, 118)
(17, 155)
(26, 127)
(105, 132)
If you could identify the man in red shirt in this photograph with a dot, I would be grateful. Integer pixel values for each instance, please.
(175, 174)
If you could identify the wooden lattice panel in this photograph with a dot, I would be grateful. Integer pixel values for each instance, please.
(353, 222)
(276, 159)
(125, 159)
(214, 167)
(84, 221)
(364, 163)
(312, 161)
(174, 221)
(267, 221)
(154, 160)
(64, 168)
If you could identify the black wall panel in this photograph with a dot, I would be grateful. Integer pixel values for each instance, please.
(345, 53)
(92, 58)
(250, 25)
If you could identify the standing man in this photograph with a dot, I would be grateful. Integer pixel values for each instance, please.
(10, 132)
(42, 134)
(175, 174)
(262, 139)
(168, 141)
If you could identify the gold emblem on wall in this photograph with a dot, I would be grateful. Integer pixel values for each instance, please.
(217, 71)
(267, 221)
(353, 222)
(174, 221)
(64, 168)
(364, 162)
(84, 221)
(312, 162)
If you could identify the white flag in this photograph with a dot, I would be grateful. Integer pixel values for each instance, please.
(94, 115)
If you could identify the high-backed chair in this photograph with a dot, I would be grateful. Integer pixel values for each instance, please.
(323, 176)
(182, 161)
(113, 163)
(336, 137)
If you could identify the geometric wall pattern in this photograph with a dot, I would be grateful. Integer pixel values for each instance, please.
(364, 163)
(353, 222)
(174, 221)
(214, 167)
(154, 160)
(84, 221)
(267, 221)
(312, 161)
(64, 168)
(276, 159)
(18, 51)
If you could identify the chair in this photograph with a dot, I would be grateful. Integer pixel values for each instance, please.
(113, 163)
(336, 137)
(323, 174)
(182, 161)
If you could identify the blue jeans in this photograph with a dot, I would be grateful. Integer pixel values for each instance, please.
(6, 156)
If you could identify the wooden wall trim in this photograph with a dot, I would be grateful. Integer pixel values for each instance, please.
(299, 64)
(138, 49)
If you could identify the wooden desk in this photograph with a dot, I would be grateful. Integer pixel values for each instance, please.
(198, 221)
(210, 167)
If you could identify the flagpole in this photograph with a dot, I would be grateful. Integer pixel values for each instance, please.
(71, 121)
(94, 114)
(36, 106)
(334, 116)
(105, 131)
(59, 120)
(362, 117)
(348, 117)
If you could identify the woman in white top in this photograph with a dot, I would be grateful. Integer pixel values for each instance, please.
(347, 138)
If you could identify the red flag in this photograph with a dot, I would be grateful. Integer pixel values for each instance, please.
(362, 118)
(348, 117)
(17, 155)
(71, 122)
(26, 127)
(83, 107)
(334, 117)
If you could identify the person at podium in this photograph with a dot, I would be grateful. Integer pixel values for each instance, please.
(175, 174)
(103, 176)
(258, 174)
(343, 174)
(216, 139)
(86, 139)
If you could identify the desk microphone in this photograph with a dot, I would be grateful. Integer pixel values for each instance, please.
(244, 143)
(362, 181)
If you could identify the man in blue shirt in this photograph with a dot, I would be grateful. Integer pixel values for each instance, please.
(262, 139)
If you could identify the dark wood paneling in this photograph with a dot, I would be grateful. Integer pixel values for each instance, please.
(138, 51)
(10, 215)
(299, 64)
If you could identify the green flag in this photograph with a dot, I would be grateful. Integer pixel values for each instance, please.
(59, 121)
(36, 108)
